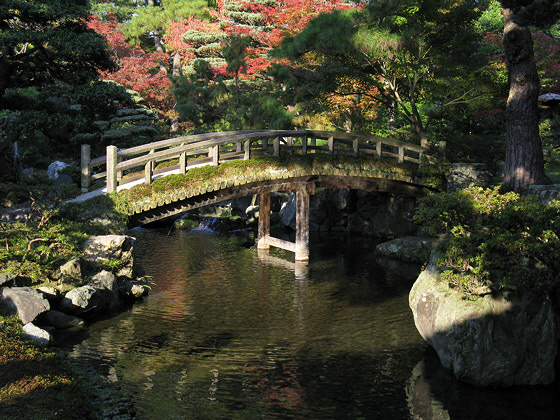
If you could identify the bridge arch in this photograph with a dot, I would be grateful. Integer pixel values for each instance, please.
(369, 172)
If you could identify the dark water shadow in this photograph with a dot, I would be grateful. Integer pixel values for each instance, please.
(434, 393)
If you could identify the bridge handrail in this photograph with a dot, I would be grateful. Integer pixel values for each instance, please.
(207, 147)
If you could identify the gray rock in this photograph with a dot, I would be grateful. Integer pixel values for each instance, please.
(108, 247)
(71, 271)
(28, 302)
(288, 212)
(54, 169)
(82, 301)
(408, 248)
(60, 320)
(464, 175)
(37, 334)
(103, 248)
(104, 280)
(107, 284)
(135, 290)
(52, 294)
(545, 193)
(488, 340)
(7, 279)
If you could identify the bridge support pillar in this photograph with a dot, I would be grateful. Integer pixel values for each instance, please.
(301, 246)
(302, 225)
(264, 221)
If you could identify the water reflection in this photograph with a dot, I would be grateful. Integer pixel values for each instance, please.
(434, 393)
(230, 332)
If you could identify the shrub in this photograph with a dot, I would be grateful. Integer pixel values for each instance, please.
(493, 241)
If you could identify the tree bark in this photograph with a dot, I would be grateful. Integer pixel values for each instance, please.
(524, 157)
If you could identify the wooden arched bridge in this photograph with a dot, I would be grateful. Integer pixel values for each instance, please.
(298, 161)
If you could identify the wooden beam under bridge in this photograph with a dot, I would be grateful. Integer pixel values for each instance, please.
(301, 246)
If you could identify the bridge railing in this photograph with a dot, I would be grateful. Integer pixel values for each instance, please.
(183, 153)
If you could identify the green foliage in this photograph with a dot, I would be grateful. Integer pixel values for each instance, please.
(49, 234)
(493, 241)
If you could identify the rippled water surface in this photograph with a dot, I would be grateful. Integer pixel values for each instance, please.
(230, 332)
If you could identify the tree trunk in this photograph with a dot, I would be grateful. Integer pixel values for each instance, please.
(524, 157)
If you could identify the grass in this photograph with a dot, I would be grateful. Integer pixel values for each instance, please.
(37, 383)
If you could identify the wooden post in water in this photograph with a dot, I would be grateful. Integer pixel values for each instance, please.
(111, 165)
(85, 159)
(302, 225)
(264, 221)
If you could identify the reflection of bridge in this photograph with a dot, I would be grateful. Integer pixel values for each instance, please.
(143, 164)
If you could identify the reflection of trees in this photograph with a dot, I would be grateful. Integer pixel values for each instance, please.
(224, 331)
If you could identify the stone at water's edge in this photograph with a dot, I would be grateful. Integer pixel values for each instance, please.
(489, 340)
(102, 248)
(37, 334)
(409, 248)
(28, 303)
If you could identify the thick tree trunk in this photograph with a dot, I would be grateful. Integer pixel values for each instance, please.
(524, 157)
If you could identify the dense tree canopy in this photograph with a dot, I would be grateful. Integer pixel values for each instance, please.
(49, 64)
(48, 41)
(405, 50)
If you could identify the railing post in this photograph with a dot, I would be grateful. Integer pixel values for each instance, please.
(379, 148)
(85, 158)
(276, 146)
(182, 161)
(265, 143)
(238, 147)
(356, 147)
(148, 173)
(302, 225)
(289, 144)
(401, 153)
(111, 166)
(247, 147)
(215, 150)
(313, 143)
(304, 144)
(331, 145)
(264, 221)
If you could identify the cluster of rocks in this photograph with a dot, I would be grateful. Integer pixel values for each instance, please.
(77, 295)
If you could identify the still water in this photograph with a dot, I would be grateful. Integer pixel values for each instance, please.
(229, 332)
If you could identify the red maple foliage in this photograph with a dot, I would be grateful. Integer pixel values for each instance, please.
(138, 70)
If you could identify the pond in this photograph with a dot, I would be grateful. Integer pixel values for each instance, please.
(232, 332)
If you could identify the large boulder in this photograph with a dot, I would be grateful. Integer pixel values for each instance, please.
(465, 175)
(105, 248)
(28, 302)
(487, 340)
(83, 301)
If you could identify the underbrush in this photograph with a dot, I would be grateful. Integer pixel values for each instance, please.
(493, 241)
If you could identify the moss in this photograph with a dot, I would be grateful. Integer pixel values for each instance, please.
(44, 385)
(256, 168)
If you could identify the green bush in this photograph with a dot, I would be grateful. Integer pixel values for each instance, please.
(493, 241)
